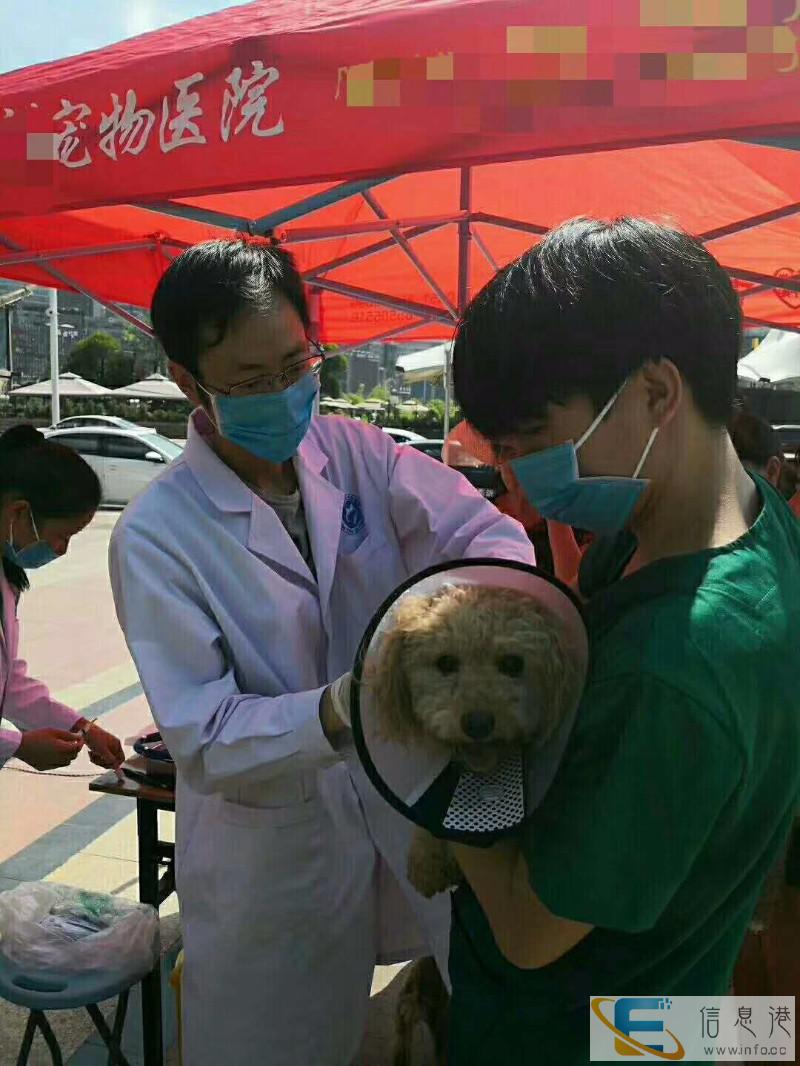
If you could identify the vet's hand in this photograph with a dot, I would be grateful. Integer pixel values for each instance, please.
(334, 725)
(340, 698)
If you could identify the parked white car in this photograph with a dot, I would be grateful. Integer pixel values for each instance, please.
(109, 421)
(403, 436)
(125, 460)
(434, 448)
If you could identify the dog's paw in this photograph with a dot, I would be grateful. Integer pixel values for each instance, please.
(431, 867)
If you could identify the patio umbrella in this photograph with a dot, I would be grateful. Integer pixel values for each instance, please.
(336, 405)
(70, 385)
(154, 387)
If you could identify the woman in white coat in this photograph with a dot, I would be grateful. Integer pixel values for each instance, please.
(48, 493)
(244, 578)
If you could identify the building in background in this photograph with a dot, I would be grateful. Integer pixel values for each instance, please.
(8, 301)
(78, 317)
(371, 366)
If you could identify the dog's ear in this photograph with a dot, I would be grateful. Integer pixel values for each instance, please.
(543, 639)
(390, 689)
(558, 678)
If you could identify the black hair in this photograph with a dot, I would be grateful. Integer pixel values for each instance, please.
(587, 307)
(54, 479)
(754, 439)
(210, 284)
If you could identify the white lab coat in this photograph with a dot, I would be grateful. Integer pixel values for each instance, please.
(291, 868)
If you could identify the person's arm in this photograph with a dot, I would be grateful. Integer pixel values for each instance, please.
(219, 736)
(9, 744)
(440, 517)
(643, 786)
(526, 932)
(29, 705)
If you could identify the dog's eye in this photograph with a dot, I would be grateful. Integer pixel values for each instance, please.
(447, 664)
(511, 665)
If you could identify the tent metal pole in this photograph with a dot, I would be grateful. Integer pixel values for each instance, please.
(302, 235)
(483, 248)
(369, 250)
(789, 144)
(388, 335)
(420, 267)
(334, 195)
(464, 248)
(220, 219)
(55, 405)
(789, 284)
(73, 253)
(755, 291)
(408, 307)
(76, 286)
(509, 223)
(750, 223)
(464, 238)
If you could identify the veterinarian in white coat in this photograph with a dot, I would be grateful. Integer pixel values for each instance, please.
(240, 613)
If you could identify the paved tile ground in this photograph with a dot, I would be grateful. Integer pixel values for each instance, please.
(53, 827)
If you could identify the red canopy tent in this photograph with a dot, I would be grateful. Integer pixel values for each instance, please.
(406, 148)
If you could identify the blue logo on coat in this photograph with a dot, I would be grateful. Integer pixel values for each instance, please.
(353, 521)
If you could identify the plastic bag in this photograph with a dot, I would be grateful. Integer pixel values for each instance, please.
(47, 926)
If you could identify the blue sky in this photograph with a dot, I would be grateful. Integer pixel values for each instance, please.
(36, 31)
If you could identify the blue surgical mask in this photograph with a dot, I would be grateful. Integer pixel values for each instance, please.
(270, 425)
(31, 557)
(552, 484)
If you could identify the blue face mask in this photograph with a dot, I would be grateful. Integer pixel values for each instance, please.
(31, 557)
(270, 425)
(552, 484)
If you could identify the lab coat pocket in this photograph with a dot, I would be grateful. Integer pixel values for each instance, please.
(283, 802)
(356, 553)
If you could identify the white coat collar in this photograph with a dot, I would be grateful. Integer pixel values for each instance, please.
(323, 504)
(224, 488)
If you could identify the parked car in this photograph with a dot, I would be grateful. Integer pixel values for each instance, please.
(110, 421)
(125, 460)
(790, 439)
(429, 447)
(403, 436)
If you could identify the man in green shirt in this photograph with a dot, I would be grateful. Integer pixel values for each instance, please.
(640, 871)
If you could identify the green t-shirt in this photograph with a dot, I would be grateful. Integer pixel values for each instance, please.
(674, 799)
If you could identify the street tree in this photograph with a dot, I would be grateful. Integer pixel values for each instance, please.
(100, 358)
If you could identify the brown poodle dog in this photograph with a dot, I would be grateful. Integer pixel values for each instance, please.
(482, 670)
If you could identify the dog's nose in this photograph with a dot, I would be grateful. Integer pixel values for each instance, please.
(478, 725)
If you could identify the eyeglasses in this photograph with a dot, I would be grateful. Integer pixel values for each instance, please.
(271, 383)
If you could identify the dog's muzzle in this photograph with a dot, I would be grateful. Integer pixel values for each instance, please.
(478, 725)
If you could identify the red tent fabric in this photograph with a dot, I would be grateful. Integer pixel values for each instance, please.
(406, 148)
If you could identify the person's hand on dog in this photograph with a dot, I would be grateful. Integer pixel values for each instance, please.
(334, 708)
